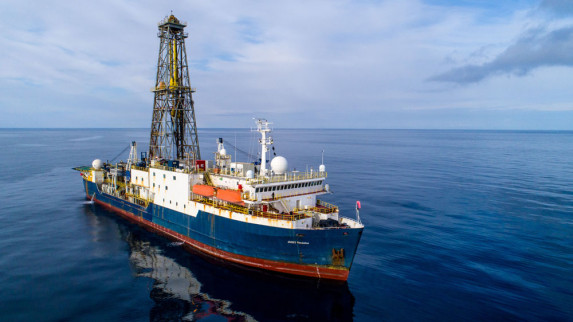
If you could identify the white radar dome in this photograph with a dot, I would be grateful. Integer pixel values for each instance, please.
(322, 168)
(279, 165)
(250, 174)
(97, 164)
(223, 152)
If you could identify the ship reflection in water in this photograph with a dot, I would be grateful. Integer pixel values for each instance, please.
(186, 286)
(176, 292)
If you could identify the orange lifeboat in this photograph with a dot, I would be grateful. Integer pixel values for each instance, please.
(203, 190)
(233, 196)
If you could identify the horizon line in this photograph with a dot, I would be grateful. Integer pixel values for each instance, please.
(288, 128)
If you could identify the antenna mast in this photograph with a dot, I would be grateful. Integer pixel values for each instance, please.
(265, 141)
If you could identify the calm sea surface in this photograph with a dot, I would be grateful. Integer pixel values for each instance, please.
(460, 225)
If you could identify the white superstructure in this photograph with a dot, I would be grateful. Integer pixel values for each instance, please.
(236, 190)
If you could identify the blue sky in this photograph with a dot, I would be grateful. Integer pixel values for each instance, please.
(312, 64)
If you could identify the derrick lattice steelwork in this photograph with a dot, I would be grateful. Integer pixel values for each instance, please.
(173, 127)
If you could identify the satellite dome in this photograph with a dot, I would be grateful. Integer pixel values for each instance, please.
(279, 165)
(250, 174)
(97, 164)
(322, 168)
(223, 152)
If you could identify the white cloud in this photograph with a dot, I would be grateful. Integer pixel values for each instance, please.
(297, 61)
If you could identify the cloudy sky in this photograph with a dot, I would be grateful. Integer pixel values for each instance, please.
(434, 64)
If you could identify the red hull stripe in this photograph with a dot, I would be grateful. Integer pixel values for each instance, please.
(315, 271)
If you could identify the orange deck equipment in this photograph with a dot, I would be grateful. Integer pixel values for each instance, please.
(203, 190)
(233, 196)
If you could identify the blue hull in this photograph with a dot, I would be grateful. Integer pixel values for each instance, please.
(251, 242)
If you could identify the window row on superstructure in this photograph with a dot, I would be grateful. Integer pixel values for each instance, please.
(289, 186)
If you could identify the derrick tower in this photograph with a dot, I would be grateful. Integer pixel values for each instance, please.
(173, 127)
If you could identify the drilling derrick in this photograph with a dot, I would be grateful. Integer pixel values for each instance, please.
(173, 127)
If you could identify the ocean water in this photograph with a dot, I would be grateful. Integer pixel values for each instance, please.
(460, 225)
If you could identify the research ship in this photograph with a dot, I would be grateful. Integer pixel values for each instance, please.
(255, 214)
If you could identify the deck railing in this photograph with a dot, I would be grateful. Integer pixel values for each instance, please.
(138, 200)
(134, 167)
(293, 176)
(244, 210)
(328, 206)
(321, 207)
